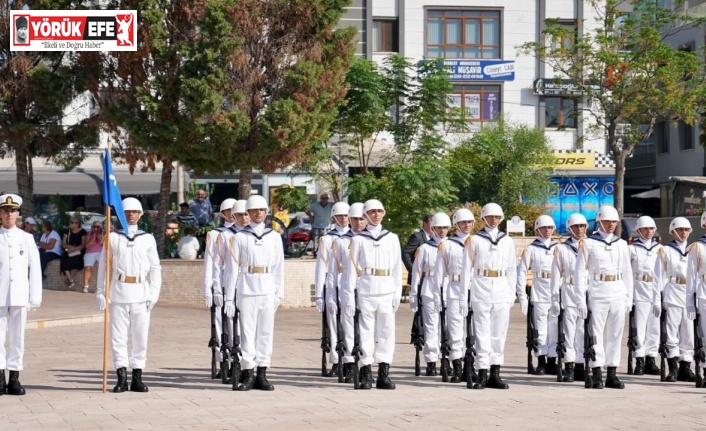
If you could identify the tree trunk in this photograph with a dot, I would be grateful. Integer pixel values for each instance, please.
(244, 183)
(619, 189)
(25, 183)
(160, 224)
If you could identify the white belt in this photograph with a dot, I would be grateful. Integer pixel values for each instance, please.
(607, 277)
(569, 280)
(490, 272)
(644, 277)
(133, 279)
(454, 277)
(677, 280)
(379, 272)
(544, 274)
(257, 269)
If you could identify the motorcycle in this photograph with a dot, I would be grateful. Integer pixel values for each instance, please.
(299, 240)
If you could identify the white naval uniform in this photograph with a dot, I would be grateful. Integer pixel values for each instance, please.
(449, 266)
(323, 256)
(538, 258)
(375, 270)
(260, 286)
(135, 283)
(670, 277)
(603, 262)
(341, 295)
(20, 286)
(490, 269)
(424, 270)
(212, 276)
(572, 296)
(696, 280)
(643, 255)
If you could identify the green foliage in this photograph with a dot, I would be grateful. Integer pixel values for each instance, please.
(292, 198)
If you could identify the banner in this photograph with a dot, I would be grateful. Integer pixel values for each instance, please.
(111, 192)
(584, 195)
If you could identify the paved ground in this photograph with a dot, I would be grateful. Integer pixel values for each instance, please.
(63, 381)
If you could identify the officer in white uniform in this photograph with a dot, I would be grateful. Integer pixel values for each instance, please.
(572, 297)
(538, 258)
(230, 267)
(20, 290)
(643, 255)
(260, 289)
(670, 278)
(337, 276)
(339, 216)
(490, 269)
(603, 262)
(696, 282)
(449, 266)
(212, 290)
(135, 283)
(424, 271)
(376, 272)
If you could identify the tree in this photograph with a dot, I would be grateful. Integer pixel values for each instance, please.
(629, 74)
(36, 91)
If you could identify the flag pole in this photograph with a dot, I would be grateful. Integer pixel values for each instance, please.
(106, 319)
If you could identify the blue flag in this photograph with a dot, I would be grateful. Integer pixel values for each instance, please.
(111, 193)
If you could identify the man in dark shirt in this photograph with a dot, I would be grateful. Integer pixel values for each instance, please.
(186, 218)
(415, 240)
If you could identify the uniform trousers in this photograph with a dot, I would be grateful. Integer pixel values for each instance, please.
(333, 331)
(219, 332)
(132, 319)
(607, 317)
(347, 326)
(547, 327)
(13, 321)
(702, 311)
(491, 322)
(377, 326)
(680, 333)
(456, 326)
(647, 326)
(573, 335)
(257, 323)
(430, 316)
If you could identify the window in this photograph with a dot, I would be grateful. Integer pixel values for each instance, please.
(463, 34)
(560, 112)
(385, 33)
(661, 134)
(686, 136)
(480, 103)
(566, 39)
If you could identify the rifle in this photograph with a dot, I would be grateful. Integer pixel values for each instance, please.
(589, 352)
(663, 341)
(532, 332)
(340, 346)
(469, 358)
(236, 353)
(357, 351)
(632, 339)
(418, 331)
(560, 343)
(225, 347)
(325, 338)
(699, 353)
(444, 347)
(213, 341)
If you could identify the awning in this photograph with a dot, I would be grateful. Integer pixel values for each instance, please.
(655, 193)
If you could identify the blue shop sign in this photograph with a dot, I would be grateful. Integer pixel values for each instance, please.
(481, 70)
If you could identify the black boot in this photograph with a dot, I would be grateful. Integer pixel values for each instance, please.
(579, 372)
(261, 382)
(541, 366)
(13, 386)
(482, 379)
(551, 366)
(639, 367)
(456, 377)
(446, 365)
(597, 378)
(383, 381)
(569, 372)
(348, 372)
(651, 367)
(431, 369)
(366, 377)
(612, 381)
(672, 375)
(334, 371)
(247, 381)
(3, 385)
(136, 384)
(495, 381)
(121, 386)
(685, 374)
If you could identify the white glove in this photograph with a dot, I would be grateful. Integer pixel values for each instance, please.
(320, 305)
(583, 310)
(437, 305)
(554, 309)
(33, 305)
(208, 300)
(277, 302)
(350, 310)
(395, 304)
(331, 308)
(524, 306)
(100, 299)
(218, 300)
(229, 309)
(690, 311)
(150, 305)
(657, 311)
(463, 308)
(413, 305)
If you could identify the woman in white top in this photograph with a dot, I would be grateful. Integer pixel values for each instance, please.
(49, 245)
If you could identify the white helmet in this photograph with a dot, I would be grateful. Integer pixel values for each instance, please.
(544, 221)
(703, 219)
(645, 221)
(356, 210)
(372, 204)
(132, 204)
(256, 202)
(463, 214)
(679, 222)
(239, 207)
(608, 213)
(574, 219)
(227, 204)
(492, 209)
(340, 208)
(440, 220)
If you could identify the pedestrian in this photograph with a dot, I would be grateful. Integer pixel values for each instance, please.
(375, 273)
(490, 271)
(20, 290)
(414, 241)
(188, 246)
(29, 224)
(49, 246)
(571, 295)
(696, 283)
(185, 218)
(449, 265)
(643, 256)
(670, 277)
(339, 295)
(538, 258)
(93, 245)
(603, 262)
(135, 283)
(73, 245)
(339, 216)
(201, 208)
(260, 289)
(319, 213)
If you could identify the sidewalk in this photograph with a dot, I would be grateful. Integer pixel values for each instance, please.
(63, 380)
